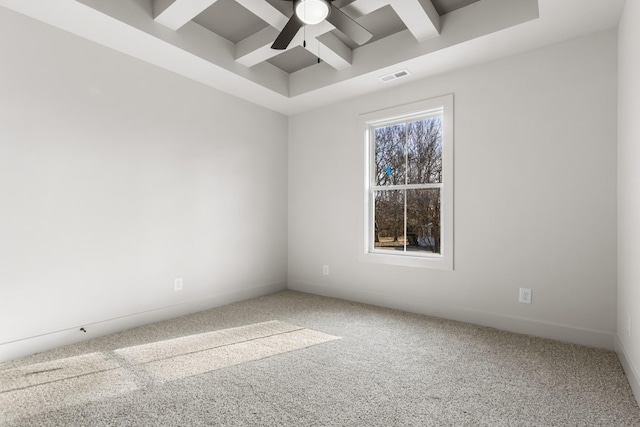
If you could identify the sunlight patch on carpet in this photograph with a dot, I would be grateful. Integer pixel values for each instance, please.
(197, 354)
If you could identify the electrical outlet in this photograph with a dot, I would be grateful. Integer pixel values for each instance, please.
(525, 296)
(325, 270)
(177, 284)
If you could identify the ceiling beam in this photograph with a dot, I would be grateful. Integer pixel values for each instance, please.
(420, 17)
(331, 50)
(266, 12)
(174, 14)
(359, 8)
(257, 47)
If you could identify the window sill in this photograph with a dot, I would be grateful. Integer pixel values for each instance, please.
(430, 262)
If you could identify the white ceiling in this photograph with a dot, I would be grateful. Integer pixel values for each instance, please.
(226, 43)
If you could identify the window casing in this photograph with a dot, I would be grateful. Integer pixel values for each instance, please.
(409, 184)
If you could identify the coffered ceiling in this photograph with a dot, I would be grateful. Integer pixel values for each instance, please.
(226, 44)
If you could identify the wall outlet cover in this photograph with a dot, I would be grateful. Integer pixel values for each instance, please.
(525, 296)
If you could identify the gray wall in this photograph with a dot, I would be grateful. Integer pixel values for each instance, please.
(628, 343)
(117, 177)
(535, 196)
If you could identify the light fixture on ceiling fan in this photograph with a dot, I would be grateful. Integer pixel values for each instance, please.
(311, 12)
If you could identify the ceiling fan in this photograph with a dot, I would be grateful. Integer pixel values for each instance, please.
(310, 12)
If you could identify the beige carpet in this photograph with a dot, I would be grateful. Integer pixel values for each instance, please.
(236, 366)
(48, 386)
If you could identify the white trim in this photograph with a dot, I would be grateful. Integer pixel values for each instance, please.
(406, 186)
(520, 325)
(404, 113)
(632, 374)
(30, 345)
(441, 105)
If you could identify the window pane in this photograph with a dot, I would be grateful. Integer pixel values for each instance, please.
(389, 220)
(389, 156)
(424, 151)
(423, 220)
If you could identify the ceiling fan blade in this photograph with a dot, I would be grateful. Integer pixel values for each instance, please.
(348, 26)
(288, 33)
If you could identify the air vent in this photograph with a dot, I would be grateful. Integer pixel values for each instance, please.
(395, 76)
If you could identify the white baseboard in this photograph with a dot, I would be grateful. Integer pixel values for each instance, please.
(30, 345)
(629, 369)
(520, 325)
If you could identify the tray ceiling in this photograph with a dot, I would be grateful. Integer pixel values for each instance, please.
(227, 43)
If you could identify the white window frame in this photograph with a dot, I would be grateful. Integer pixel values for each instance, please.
(389, 116)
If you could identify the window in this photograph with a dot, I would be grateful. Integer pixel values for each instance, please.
(409, 180)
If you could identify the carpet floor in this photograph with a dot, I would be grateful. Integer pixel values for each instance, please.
(293, 359)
